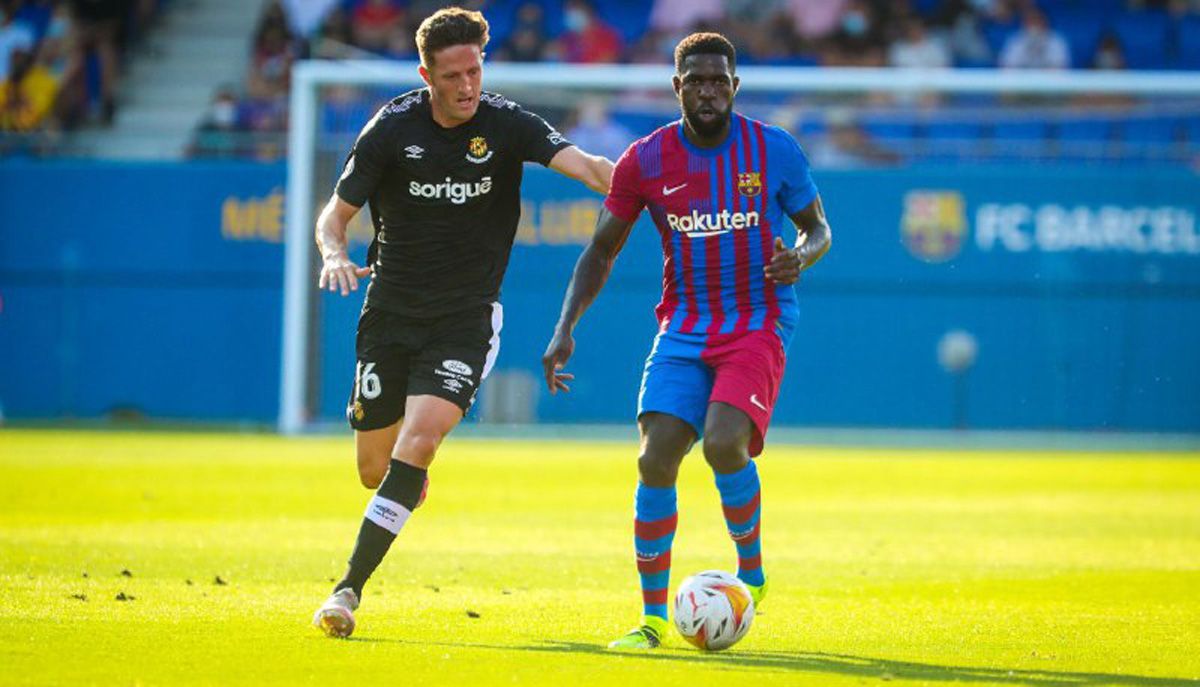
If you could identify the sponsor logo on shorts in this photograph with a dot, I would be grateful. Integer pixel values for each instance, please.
(458, 367)
(555, 138)
(757, 403)
(452, 384)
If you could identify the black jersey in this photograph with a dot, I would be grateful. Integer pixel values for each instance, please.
(445, 203)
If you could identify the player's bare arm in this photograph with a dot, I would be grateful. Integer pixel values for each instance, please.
(594, 171)
(813, 238)
(338, 271)
(591, 272)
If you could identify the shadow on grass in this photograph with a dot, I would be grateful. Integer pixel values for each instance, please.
(836, 664)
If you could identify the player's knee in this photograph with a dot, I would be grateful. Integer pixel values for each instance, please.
(417, 447)
(726, 451)
(657, 471)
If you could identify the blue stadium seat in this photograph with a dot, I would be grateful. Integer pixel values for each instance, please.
(1082, 30)
(1149, 130)
(629, 18)
(1145, 37)
(1188, 41)
(1020, 130)
(1084, 130)
(997, 35)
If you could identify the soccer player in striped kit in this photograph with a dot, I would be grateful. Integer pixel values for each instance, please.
(718, 186)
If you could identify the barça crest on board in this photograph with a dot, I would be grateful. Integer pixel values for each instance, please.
(934, 224)
(477, 150)
(750, 183)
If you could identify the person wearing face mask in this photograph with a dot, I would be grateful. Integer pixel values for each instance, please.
(1035, 46)
(858, 41)
(588, 39)
(1110, 54)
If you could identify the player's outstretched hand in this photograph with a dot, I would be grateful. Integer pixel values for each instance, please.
(785, 264)
(557, 354)
(340, 273)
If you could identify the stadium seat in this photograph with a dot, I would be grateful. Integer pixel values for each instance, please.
(1145, 37)
(629, 18)
(1188, 42)
(1082, 30)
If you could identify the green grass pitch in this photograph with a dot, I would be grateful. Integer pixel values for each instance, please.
(888, 566)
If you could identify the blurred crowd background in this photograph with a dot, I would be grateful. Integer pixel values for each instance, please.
(63, 62)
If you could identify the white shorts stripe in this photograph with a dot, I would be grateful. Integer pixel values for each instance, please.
(494, 344)
(386, 513)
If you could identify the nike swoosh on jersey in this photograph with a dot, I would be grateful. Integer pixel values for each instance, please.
(669, 191)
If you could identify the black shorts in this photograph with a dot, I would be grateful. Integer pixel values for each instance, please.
(400, 356)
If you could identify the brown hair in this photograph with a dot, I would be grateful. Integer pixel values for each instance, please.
(705, 44)
(447, 27)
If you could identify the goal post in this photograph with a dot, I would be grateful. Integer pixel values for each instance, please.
(779, 88)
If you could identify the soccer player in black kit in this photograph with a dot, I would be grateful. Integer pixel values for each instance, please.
(441, 169)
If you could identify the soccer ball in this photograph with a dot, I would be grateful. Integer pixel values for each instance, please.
(713, 610)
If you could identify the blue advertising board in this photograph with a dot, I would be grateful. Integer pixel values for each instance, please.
(157, 289)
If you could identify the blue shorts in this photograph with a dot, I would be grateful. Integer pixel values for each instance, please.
(686, 372)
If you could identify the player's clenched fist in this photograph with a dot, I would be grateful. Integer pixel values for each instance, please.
(785, 264)
(557, 354)
(340, 273)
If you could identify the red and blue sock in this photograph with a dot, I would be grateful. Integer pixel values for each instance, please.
(655, 518)
(740, 499)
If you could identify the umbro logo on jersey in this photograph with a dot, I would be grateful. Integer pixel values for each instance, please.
(414, 152)
(669, 191)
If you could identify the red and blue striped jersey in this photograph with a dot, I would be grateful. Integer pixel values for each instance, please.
(718, 211)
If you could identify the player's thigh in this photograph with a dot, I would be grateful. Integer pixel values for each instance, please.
(380, 386)
(456, 357)
(676, 383)
(747, 375)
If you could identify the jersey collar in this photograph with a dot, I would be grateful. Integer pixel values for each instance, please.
(734, 123)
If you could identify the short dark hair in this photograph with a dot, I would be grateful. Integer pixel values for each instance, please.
(450, 26)
(705, 44)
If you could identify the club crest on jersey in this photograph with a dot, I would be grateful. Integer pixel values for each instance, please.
(750, 184)
(477, 150)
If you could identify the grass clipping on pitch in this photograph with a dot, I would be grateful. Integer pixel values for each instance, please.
(198, 559)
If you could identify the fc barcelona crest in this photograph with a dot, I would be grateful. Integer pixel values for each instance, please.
(750, 183)
(477, 150)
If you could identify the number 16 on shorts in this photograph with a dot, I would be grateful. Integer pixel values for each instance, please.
(367, 383)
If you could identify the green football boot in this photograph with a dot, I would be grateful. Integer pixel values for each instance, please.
(648, 636)
(758, 593)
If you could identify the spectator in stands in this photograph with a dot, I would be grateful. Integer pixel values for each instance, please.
(98, 23)
(528, 41)
(1110, 54)
(916, 49)
(335, 39)
(374, 23)
(680, 17)
(1035, 46)
(595, 131)
(27, 95)
(14, 35)
(859, 40)
(588, 39)
(271, 66)
(816, 20)
(962, 31)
